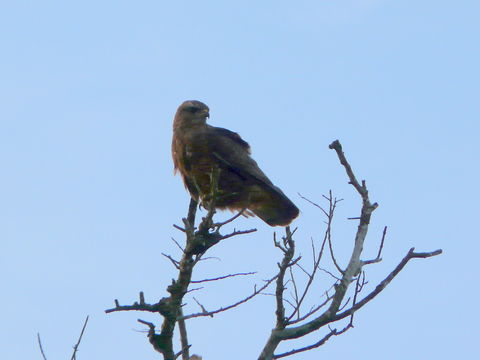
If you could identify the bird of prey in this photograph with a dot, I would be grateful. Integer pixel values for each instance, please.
(199, 150)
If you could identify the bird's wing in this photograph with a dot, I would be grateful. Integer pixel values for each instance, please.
(232, 151)
(268, 201)
(233, 136)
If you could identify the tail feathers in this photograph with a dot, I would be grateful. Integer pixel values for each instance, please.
(274, 208)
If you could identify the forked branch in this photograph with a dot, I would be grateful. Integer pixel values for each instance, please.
(198, 241)
(353, 272)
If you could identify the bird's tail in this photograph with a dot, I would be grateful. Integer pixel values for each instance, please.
(272, 206)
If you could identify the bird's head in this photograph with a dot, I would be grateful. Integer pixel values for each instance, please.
(191, 113)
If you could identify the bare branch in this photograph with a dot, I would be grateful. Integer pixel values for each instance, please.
(185, 354)
(329, 273)
(379, 255)
(344, 305)
(179, 228)
(284, 299)
(361, 189)
(277, 243)
(41, 347)
(204, 310)
(316, 259)
(75, 347)
(353, 272)
(353, 180)
(160, 307)
(289, 246)
(207, 258)
(240, 213)
(378, 258)
(295, 293)
(182, 328)
(149, 324)
(379, 288)
(174, 262)
(305, 271)
(239, 232)
(357, 291)
(314, 204)
(311, 312)
(330, 246)
(255, 293)
(328, 234)
(178, 245)
(194, 289)
(222, 277)
(310, 347)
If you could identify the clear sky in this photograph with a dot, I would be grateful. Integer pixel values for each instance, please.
(88, 198)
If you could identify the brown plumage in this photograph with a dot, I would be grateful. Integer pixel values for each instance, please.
(197, 148)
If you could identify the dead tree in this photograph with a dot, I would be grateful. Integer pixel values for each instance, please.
(333, 305)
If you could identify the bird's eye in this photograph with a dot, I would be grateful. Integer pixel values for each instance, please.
(193, 109)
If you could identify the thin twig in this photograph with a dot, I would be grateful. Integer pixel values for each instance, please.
(344, 305)
(311, 312)
(383, 284)
(379, 255)
(378, 258)
(178, 228)
(295, 289)
(149, 324)
(75, 347)
(41, 347)
(330, 246)
(305, 271)
(178, 245)
(194, 289)
(316, 259)
(174, 262)
(222, 277)
(329, 273)
(219, 225)
(238, 232)
(310, 347)
(284, 299)
(357, 291)
(255, 293)
(181, 352)
(201, 306)
(313, 203)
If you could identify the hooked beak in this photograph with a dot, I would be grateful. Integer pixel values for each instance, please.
(206, 113)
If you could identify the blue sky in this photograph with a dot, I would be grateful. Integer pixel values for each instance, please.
(88, 198)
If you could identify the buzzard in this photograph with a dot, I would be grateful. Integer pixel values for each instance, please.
(199, 150)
